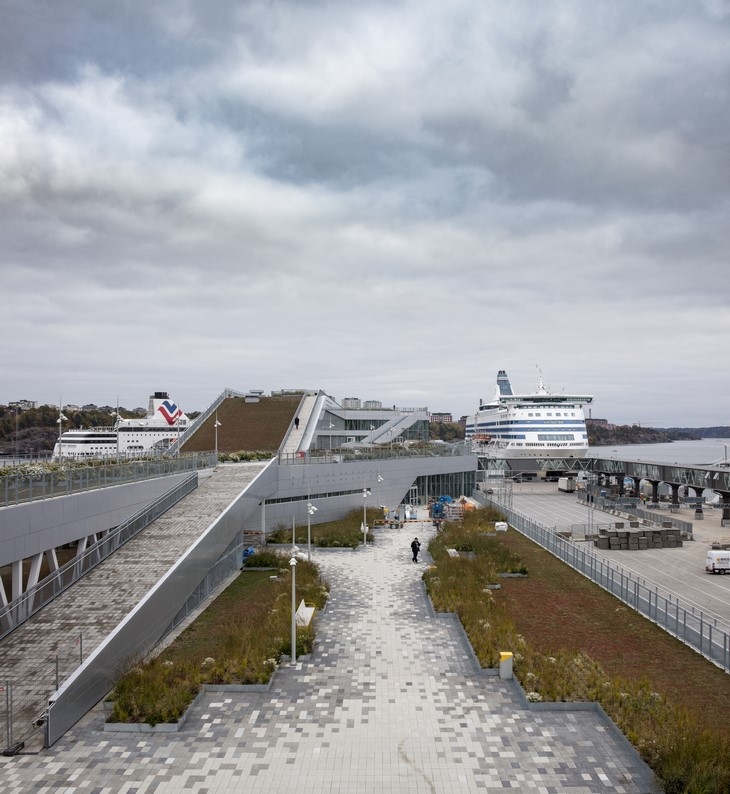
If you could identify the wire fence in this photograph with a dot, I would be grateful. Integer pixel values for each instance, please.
(692, 626)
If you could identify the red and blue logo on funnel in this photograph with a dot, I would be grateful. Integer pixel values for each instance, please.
(170, 411)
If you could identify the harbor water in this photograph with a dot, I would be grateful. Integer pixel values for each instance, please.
(703, 452)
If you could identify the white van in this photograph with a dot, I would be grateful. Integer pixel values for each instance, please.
(718, 561)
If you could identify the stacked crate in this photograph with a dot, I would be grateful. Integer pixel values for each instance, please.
(638, 539)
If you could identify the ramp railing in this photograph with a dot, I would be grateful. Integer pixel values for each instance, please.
(35, 598)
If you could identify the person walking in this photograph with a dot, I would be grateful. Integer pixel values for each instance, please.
(415, 548)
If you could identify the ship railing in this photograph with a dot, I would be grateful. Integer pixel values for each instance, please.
(35, 598)
(695, 628)
(31, 483)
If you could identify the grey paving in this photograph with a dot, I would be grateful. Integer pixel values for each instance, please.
(389, 702)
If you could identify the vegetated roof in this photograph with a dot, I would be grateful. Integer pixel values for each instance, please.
(246, 426)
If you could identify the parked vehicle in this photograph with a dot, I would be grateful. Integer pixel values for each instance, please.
(566, 484)
(718, 561)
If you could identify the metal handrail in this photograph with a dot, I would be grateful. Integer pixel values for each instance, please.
(35, 598)
(29, 487)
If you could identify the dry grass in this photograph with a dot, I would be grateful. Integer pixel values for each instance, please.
(238, 639)
(345, 532)
(246, 426)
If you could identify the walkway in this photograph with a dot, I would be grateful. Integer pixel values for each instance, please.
(389, 702)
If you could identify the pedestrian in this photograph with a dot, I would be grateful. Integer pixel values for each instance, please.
(296, 423)
(415, 548)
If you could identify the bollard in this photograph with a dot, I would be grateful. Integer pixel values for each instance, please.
(505, 664)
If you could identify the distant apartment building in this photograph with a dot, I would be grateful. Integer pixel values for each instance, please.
(353, 403)
(372, 405)
(23, 405)
(441, 418)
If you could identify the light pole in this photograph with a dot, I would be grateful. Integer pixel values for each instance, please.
(117, 420)
(177, 425)
(17, 409)
(216, 426)
(61, 419)
(293, 565)
(377, 495)
(311, 510)
(365, 493)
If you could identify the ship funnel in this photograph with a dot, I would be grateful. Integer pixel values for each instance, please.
(503, 383)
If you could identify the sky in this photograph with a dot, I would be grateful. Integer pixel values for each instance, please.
(385, 200)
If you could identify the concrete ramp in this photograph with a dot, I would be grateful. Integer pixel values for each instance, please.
(92, 608)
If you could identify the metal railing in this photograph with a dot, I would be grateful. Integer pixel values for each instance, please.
(23, 702)
(35, 598)
(27, 486)
(692, 626)
(353, 455)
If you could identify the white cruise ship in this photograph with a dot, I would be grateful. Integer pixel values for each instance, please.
(522, 426)
(128, 438)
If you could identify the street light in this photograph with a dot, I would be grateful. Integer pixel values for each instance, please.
(311, 510)
(117, 421)
(61, 419)
(17, 409)
(365, 493)
(293, 565)
(377, 493)
(216, 426)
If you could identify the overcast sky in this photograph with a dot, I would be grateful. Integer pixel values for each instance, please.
(387, 200)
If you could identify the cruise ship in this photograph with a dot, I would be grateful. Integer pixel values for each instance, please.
(127, 438)
(524, 426)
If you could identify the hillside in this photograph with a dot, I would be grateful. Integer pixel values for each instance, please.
(634, 434)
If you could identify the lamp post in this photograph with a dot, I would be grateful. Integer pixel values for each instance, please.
(311, 510)
(293, 565)
(216, 426)
(61, 419)
(377, 494)
(17, 409)
(365, 493)
(117, 421)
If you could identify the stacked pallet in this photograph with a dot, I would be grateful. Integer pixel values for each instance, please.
(635, 539)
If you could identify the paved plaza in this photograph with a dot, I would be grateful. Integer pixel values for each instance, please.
(390, 701)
